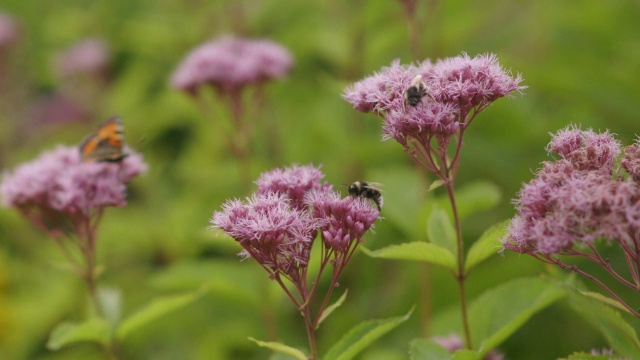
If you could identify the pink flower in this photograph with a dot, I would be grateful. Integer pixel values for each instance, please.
(576, 200)
(586, 150)
(90, 56)
(278, 224)
(230, 63)
(344, 220)
(294, 182)
(471, 82)
(9, 32)
(454, 343)
(631, 161)
(270, 231)
(455, 88)
(59, 181)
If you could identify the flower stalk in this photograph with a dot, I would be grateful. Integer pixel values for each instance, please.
(456, 90)
(581, 202)
(278, 224)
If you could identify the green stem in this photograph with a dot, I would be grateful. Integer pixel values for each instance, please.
(460, 275)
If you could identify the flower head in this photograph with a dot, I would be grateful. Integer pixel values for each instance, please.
(59, 181)
(471, 82)
(453, 88)
(294, 182)
(631, 161)
(575, 200)
(90, 56)
(586, 150)
(345, 220)
(230, 63)
(270, 231)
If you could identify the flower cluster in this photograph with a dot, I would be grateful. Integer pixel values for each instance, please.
(456, 86)
(578, 198)
(59, 183)
(278, 224)
(230, 63)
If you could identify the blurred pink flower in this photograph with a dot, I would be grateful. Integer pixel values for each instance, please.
(575, 200)
(90, 56)
(58, 181)
(9, 31)
(55, 109)
(230, 63)
(453, 343)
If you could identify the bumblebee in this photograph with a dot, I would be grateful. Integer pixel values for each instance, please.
(367, 190)
(416, 91)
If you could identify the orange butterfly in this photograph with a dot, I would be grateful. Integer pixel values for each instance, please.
(105, 145)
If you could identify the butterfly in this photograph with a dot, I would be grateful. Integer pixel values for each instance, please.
(105, 145)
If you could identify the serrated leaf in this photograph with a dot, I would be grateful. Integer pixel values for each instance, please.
(499, 312)
(619, 334)
(424, 349)
(281, 348)
(155, 310)
(329, 309)
(440, 230)
(416, 251)
(67, 333)
(361, 336)
(487, 245)
(605, 300)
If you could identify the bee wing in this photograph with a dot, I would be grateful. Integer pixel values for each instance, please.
(375, 185)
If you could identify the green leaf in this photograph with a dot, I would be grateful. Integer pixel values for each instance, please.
(155, 310)
(466, 355)
(282, 348)
(424, 349)
(110, 300)
(440, 230)
(605, 300)
(436, 184)
(332, 307)
(417, 251)
(585, 356)
(221, 277)
(488, 244)
(499, 312)
(620, 335)
(403, 197)
(361, 336)
(93, 330)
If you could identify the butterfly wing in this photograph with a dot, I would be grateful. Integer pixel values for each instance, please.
(105, 145)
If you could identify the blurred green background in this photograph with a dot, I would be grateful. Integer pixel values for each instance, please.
(580, 60)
